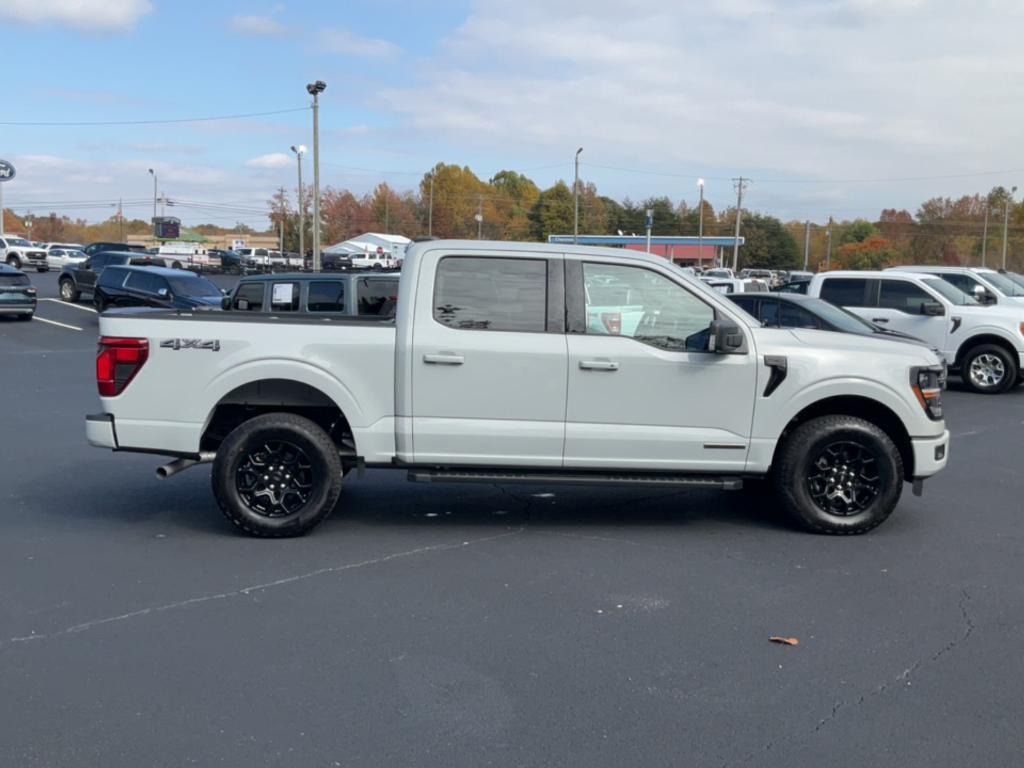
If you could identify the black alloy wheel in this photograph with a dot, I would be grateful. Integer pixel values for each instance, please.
(275, 479)
(844, 478)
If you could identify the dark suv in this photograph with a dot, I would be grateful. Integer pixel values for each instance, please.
(154, 287)
(17, 296)
(76, 279)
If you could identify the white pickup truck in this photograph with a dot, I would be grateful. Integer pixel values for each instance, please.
(494, 370)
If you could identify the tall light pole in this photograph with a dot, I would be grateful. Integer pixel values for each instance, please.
(984, 231)
(480, 219)
(299, 152)
(807, 244)
(315, 89)
(1006, 221)
(700, 225)
(576, 200)
(153, 174)
(828, 252)
(741, 183)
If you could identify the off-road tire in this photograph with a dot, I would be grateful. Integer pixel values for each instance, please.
(248, 437)
(804, 446)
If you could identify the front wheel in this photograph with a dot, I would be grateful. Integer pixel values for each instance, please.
(277, 475)
(988, 369)
(26, 317)
(14, 261)
(839, 475)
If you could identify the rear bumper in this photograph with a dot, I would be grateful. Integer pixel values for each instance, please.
(100, 432)
(930, 454)
(11, 308)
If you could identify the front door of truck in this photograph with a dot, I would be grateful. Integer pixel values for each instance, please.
(488, 360)
(644, 391)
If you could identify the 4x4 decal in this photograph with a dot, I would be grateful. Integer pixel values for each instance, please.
(213, 345)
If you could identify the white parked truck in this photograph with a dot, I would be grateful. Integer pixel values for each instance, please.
(493, 371)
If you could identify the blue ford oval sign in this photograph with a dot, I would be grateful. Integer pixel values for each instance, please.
(6, 171)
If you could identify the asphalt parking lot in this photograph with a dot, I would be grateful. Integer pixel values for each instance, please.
(481, 625)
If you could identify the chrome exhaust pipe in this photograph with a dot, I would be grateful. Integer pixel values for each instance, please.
(174, 467)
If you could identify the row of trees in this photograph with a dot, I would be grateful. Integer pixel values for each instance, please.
(451, 201)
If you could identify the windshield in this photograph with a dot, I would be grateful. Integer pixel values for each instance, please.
(950, 292)
(1002, 283)
(1015, 278)
(192, 286)
(18, 242)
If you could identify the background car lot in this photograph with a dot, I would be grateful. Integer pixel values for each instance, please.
(456, 625)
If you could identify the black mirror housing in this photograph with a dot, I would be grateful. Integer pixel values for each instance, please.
(932, 309)
(225, 302)
(724, 338)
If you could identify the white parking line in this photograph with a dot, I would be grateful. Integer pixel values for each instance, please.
(54, 322)
(70, 304)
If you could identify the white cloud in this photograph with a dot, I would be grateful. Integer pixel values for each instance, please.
(273, 160)
(346, 43)
(93, 15)
(258, 26)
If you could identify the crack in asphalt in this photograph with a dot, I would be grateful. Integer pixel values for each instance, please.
(244, 591)
(968, 627)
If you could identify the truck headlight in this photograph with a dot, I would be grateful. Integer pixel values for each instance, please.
(927, 386)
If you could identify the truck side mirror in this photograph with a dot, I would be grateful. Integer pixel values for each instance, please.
(932, 308)
(724, 338)
(225, 302)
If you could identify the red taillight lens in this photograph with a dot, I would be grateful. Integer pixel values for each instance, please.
(613, 322)
(117, 362)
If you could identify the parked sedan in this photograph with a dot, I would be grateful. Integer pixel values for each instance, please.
(17, 296)
(126, 286)
(58, 258)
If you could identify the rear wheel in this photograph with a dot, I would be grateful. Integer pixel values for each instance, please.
(277, 475)
(176, 265)
(839, 475)
(68, 292)
(988, 369)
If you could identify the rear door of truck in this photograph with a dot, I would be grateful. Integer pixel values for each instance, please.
(489, 360)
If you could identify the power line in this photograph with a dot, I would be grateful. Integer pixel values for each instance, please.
(55, 123)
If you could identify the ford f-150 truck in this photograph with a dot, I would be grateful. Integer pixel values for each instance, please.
(493, 370)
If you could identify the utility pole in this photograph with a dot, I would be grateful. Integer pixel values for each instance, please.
(700, 225)
(387, 212)
(430, 210)
(120, 218)
(153, 174)
(807, 244)
(314, 90)
(1006, 222)
(281, 223)
(299, 152)
(828, 253)
(741, 184)
(576, 200)
(480, 219)
(984, 232)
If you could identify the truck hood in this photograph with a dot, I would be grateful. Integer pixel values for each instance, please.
(775, 340)
(1006, 313)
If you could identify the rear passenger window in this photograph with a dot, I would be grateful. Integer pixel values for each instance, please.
(248, 297)
(146, 282)
(284, 297)
(902, 295)
(112, 277)
(326, 296)
(845, 291)
(474, 293)
(377, 297)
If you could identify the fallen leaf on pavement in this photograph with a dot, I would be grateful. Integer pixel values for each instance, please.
(784, 640)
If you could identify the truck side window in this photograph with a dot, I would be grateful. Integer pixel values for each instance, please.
(248, 297)
(643, 305)
(845, 291)
(326, 296)
(902, 295)
(796, 317)
(474, 293)
(377, 297)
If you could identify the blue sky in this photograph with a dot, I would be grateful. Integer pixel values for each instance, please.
(837, 107)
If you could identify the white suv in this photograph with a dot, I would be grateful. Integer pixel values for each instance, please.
(985, 344)
(986, 285)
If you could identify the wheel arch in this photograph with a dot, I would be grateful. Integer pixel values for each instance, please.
(275, 395)
(861, 407)
(986, 338)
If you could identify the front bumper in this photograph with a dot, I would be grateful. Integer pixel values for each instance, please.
(930, 454)
(100, 432)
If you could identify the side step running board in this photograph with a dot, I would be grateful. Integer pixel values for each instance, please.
(721, 482)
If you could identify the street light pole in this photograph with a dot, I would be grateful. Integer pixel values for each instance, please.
(807, 244)
(700, 225)
(1006, 222)
(299, 152)
(984, 231)
(828, 252)
(576, 200)
(480, 219)
(314, 90)
(153, 174)
(740, 184)
(430, 210)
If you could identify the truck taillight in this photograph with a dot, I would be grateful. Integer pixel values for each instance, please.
(117, 362)
(613, 322)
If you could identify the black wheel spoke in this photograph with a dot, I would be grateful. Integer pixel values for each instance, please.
(275, 479)
(844, 478)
